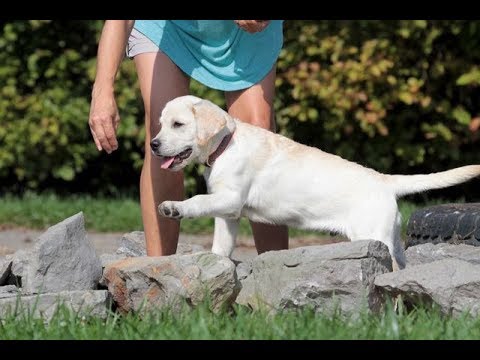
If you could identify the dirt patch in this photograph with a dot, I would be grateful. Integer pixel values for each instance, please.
(13, 239)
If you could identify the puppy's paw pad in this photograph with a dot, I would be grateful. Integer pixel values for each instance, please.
(168, 209)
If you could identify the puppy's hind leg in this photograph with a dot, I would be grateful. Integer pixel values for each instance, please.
(384, 227)
(398, 254)
(388, 238)
(225, 236)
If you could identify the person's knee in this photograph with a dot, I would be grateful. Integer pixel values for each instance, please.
(260, 119)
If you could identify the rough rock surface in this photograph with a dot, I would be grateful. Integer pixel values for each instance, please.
(452, 284)
(5, 269)
(61, 259)
(154, 282)
(426, 253)
(88, 302)
(8, 291)
(321, 277)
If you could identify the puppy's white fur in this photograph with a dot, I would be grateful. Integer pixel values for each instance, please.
(271, 179)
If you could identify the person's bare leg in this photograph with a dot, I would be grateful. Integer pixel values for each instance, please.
(255, 106)
(160, 81)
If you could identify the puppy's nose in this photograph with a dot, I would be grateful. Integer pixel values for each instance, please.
(155, 144)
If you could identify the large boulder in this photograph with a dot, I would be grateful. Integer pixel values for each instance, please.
(133, 244)
(61, 259)
(321, 277)
(107, 259)
(88, 302)
(452, 284)
(172, 281)
(426, 253)
(8, 291)
(5, 269)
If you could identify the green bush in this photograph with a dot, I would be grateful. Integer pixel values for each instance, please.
(399, 96)
(46, 73)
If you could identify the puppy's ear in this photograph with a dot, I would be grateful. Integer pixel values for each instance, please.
(210, 120)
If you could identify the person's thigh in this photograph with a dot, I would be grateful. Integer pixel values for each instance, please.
(160, 81)
(254, 104)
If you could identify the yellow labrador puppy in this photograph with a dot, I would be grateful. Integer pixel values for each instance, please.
(269, 178)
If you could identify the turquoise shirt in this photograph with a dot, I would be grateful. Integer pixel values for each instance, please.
(217, 53)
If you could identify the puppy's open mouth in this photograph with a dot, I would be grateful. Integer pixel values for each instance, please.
(168, 162)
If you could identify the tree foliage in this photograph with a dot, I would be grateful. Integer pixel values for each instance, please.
(398, 96)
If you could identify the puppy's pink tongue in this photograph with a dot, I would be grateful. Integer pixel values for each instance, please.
(166, 162)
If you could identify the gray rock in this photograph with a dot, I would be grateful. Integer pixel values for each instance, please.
(454, 285)
(5, 269)
(321, 277)
(20, 260)
(8, 291)
(89, 302)
(139, 283)
(244, 269)
(107, 259)
(185, 249)
(61, 259)
(426, 253)
(133, 244)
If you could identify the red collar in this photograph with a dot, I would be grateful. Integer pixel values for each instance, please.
(221, 148)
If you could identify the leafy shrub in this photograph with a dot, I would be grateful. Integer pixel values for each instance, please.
(399, 96)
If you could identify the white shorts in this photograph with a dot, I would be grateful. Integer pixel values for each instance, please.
(139, 44)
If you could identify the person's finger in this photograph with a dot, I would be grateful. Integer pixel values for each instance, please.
(109, 131)
(244, 25)
(103, 140)
(99, 131)
(97, 143)
(262, 24)
(252, 26)
(116, 122)
(98, 134)
(259, 25)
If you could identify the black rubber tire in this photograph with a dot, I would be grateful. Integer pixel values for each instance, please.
(449, 223)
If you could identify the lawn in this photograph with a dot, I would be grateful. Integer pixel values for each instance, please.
(200, 323)
(123, 214)
(111, 214)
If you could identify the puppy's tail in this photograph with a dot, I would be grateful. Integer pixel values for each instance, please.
(410, 184)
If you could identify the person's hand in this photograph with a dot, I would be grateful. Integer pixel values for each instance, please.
(104, 120)
(252, 26)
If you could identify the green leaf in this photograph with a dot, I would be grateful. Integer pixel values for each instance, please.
(406, 97)
(461, 115)
(470, 78)
(64, 172)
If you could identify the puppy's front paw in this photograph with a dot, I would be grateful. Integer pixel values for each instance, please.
(170, 209)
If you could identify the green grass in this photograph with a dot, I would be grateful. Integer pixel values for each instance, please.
(41, 211)
(111, 214)
(200, 323)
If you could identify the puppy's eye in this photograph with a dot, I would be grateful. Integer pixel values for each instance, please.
(177, 124)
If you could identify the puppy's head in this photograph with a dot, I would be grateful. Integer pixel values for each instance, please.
(190, 130)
